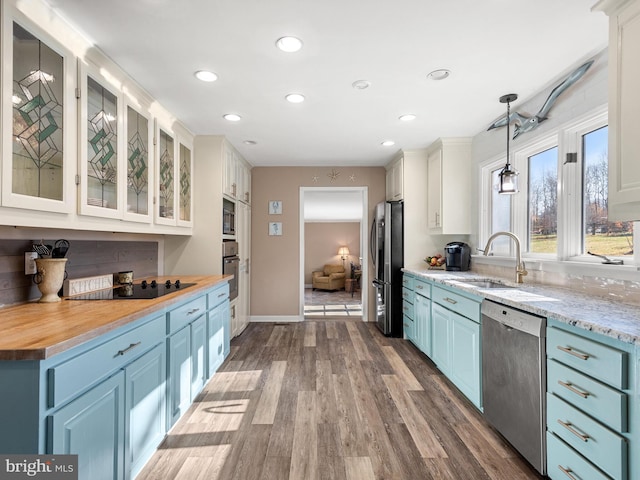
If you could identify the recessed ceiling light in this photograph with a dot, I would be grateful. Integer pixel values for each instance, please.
(440, 74)
(388, 143)
(407, 118)
(250, 142)
(295, 98)
(289, 44)
(206, 76)
(232, 117)
(361, 84)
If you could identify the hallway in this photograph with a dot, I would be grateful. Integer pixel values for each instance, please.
(331, 400)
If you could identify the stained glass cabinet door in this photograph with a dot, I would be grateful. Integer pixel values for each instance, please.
(101, 125)
(166, 178)
(38, 108)
(185, 181)
(139, 166)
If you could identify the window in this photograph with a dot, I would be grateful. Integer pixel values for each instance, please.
(561, 210)
(543, 201)
(599, 235)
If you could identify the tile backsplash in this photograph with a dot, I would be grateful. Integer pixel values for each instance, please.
(86, 258)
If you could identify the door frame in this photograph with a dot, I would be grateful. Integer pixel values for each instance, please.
(364, 243)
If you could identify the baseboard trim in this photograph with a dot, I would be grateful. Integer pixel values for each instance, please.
(276, 318)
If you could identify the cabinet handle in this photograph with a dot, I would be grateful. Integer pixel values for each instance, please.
(450, 300)
(405, 325)
(569, 427)
(571, 387)
(419, 287)
(437, 219)
(571, 351)
(567, 472)
(221, 295)
(233, 187)
(130, 347)
(191, 312)
(219, 349)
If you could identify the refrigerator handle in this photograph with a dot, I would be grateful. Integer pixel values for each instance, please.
(372, 252)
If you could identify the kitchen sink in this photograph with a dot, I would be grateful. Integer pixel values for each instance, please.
(486, 284)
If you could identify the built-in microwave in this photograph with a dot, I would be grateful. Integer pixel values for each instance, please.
(228, 217)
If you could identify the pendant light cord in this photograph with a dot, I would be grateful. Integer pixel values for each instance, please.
(508, 132)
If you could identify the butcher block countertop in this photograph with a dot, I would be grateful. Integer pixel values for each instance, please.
(36, 331)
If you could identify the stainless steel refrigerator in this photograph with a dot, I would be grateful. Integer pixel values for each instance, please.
(386, 247)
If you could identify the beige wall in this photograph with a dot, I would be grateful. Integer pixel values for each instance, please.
(275, 275)
(321, 244)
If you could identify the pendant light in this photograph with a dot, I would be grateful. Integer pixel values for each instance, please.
(508, 175)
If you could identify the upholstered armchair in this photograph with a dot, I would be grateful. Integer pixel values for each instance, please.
(330, 278)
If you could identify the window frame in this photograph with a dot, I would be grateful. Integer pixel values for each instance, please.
(569, 256)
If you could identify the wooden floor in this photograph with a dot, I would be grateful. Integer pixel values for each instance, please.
(331, 399)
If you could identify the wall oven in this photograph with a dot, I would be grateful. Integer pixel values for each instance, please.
(231, 266)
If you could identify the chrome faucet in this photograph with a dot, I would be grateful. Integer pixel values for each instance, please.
(520, 270)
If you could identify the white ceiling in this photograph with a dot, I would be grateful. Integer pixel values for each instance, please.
(492, 47)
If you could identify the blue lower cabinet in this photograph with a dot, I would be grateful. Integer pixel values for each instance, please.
(217, 337)
(422, 312)
(465, 358)
(198, 356)
(93, 427)
(440, 343)
(145, 406)
(179, 369)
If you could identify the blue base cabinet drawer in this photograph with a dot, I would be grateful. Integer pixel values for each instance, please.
(564, 463)
(598, 400)
(592, 358)
(407, 281)
(422, 288)
(409, 328)
(71, 377)
(606, 449)
(187, 313)
(456, 302)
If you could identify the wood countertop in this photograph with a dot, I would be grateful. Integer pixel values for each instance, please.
(36, 331)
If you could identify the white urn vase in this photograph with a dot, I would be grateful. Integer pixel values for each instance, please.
(49, 278)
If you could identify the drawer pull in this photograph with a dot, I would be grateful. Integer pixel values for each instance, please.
(571, 387)
(192, 311)
(571, 351)
(569, 427)
(130, 347)
(405, 325)
(450, 300)
(567, 472)
(419, 287)
(221, 295)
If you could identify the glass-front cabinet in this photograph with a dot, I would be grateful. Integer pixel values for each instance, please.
(185, 182)
(37, 99)
(80, 138)
(139, 139)
(100, 125)
(166, 198)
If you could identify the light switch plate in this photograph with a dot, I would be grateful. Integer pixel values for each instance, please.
(30, 263)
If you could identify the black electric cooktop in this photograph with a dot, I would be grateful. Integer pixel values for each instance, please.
(135, 291)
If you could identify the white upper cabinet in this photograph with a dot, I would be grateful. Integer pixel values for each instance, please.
(394, 179)
(624, 106)
(236, 175)
(184, 184)
(102, 172)
(138, 128)
(82, 144)
(449, 186)
(38, 118)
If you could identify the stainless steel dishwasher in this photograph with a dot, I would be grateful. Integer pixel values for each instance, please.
(514, 378)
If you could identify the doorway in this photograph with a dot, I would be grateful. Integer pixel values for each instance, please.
(332, 218)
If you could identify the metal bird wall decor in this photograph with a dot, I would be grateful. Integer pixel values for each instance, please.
(526, 123)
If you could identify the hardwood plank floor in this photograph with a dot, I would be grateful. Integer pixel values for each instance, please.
(331, 400)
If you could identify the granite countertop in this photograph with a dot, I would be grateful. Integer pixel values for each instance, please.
(597, 314)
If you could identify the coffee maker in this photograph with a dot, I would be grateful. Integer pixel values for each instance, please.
(458, 256)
